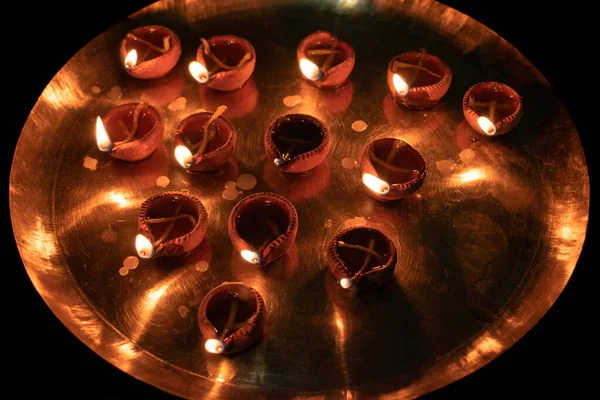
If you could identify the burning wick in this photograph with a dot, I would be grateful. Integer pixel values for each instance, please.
(487, 123)
(311, 70)
(217, 346)
(286, 157)
(199, 72)
(103, 141)
(402, 86)
(348, 282)
(145, 248)
(132, 57)
(184, 154)
(255, 257)
(375, 184)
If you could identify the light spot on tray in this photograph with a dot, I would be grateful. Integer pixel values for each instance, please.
(356, 221)
(183, 311)
(178, 104)
(246, 181)
(349, 163)
(230, 194)
(116, 92)
(163, 181)
(202, 266)
(359, 126)
(445, 166)
(230, 185)
(90, 163)
(96, 89)
(131, 262)
(467, 155)
(292, 101)
(123, 271)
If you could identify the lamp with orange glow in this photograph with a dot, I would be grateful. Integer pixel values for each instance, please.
(391, 169)
(231, 318)
(492, 108)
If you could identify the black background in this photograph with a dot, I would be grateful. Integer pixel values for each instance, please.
(44, 358)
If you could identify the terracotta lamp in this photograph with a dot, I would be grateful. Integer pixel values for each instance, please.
(223, 62)
(391, 169)
(130, 132)
(492, 108)
(418, 80)
(325, 61)
(231, 318)
(205, 141)
(297, 143)
(362, 257)
(170, 224)
(262, 227)
(150, 52)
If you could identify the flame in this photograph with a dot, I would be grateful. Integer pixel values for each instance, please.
(375, 184)
(310, 70)
(184, 156)
(102, 140)
(486, 125)
(250, 256)
(144, 247)
(199, 72)
(400, 86)
(346, 283)
(130, 59)
(214, 346)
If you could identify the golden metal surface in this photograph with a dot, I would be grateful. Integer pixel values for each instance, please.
(484, 247)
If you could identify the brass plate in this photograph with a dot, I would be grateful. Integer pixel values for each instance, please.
(484, 250)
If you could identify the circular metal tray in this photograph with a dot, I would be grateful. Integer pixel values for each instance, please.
(484, 247)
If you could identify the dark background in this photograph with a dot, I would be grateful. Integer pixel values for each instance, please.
(44, 358)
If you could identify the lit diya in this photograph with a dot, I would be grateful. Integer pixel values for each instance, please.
(262, 227)
(492, 108)
(170, 224)
(231, 318)
(297, 143)
(418, 80)
(150, 52)
(391, 169)
(130, 132)
(325, 61)
(362, 256)
(223, 62)
(204, 141)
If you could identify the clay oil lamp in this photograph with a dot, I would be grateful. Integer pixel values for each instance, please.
(492, 108)
(361, 256)
(150, 52)
(325, 61)
(223, 62)
(391, 169)
(170, 224)
(130, 132)
(231, 318)
(262, 227)
(204, 141)
(418, 80)
(297, 143)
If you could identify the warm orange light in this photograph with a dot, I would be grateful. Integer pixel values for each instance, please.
(471, 175)
(250, 256)
(346, 283)
(184, 156)
(310, 70)
(487, 126)
(131, 59)
(144, 247)
(118, 198)
(214, 346)
(375, 184)
(102, 140)
(199, 72)
(400, 86)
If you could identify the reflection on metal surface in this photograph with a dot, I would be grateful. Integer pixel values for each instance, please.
(484, 248)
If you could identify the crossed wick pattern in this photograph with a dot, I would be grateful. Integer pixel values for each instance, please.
(151, 46)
